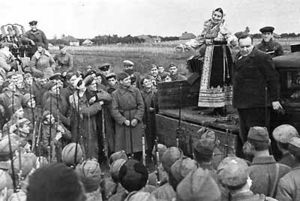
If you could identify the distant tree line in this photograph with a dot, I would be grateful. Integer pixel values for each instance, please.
(114, 39)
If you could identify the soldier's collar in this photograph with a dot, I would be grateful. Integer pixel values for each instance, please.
(263, 160)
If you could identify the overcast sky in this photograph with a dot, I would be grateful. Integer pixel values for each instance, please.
(88, 18)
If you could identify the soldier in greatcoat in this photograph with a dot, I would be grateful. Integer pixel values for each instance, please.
(128, 110)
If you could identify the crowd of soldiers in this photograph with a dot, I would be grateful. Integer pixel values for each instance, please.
(60, 126)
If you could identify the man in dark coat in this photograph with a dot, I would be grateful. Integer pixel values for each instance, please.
(128, 111)
(34, 36)
(268, 44)
(255, 86)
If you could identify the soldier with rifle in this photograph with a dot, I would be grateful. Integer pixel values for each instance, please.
(94, 96)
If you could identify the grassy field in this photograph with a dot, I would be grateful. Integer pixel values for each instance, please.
(141, 54)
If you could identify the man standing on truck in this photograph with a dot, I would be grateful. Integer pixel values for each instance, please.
(268, 45)
(35, 36)
(255, 86)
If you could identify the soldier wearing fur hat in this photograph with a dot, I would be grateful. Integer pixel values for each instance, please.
(63, 60)
(33, 37)
(133, 176)
(264, 165)
(289, 184)
(282, 135)
(268, 45)
(128, 110)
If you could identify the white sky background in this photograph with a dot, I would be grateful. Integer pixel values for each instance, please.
(89, 18)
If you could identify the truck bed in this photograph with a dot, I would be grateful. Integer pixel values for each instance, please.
(226, 129)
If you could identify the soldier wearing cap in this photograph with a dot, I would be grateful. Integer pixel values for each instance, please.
(180, 169)
(198, 185)
(134, 75)
(233, 173)
(110, 186)
(255, 86)
(112, 83)
(282, 135)
(33, 37)
(105, 69)
(154, 75)
(149, 94)
(268, 44)
(64, 60)
(175, 75)
(94, 95)
(89, 172)
(264, 165)
(128, 111)
(289, 185)
(52, 100)
(159, 176)
(166, 191)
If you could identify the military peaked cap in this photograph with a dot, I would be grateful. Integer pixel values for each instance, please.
(33, 22)
(267, 29)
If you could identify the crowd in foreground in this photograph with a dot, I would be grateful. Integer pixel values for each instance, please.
(206, 175)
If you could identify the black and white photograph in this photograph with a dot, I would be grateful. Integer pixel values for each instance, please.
(150, 100)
